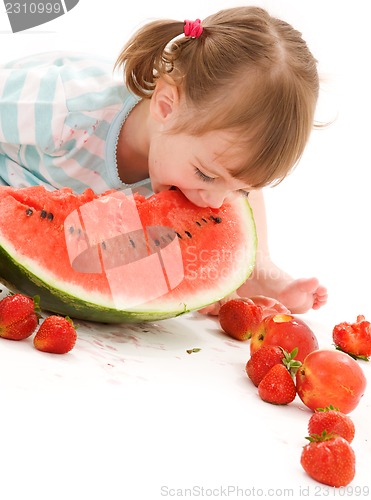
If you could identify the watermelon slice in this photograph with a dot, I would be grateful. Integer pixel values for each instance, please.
(121, 257)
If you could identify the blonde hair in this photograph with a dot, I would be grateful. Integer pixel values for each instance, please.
(248, 72)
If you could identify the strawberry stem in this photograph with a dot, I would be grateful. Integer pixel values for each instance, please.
(288, 360)
(328, 408)
(324, 436)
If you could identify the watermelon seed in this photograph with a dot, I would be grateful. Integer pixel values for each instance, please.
(104, 246)
(132, 243)
(217, 220)
(157, 243)
(50, 216)
(188, 234)
(29, 212)
(204, 220)
(43, 214)
(178, 235)
(198, 223)
(71, 229)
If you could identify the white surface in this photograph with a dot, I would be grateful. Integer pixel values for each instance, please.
(130, 414)
(128, 411)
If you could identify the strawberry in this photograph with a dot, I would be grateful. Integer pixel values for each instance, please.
(333, 421)
(277, 387)
(262, 361)
(240, 317)
(265, 358)
(18, 316)
(56, 335)
(354, 338)
(329, 459)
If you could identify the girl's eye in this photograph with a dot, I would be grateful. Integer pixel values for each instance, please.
(203, 176)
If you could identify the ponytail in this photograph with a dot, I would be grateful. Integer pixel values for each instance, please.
(144, 57)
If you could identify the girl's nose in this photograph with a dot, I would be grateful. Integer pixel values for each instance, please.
(214, 199)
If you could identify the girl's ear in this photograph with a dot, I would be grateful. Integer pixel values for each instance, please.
(164, 101)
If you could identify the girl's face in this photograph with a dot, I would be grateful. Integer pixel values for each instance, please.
(197, 165)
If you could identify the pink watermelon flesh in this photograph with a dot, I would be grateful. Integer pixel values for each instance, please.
(121, 257)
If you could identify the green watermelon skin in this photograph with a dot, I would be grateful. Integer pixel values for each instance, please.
(18, 279)
(58, 297)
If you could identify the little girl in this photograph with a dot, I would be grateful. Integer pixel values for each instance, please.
(218, 108)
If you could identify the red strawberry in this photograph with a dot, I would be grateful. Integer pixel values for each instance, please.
(277, 387)
(265, 358)
(332, 421)
(329, 460)
(354, 338)
(56, 335)
(262, 361)
(240, 317)
(18, 316)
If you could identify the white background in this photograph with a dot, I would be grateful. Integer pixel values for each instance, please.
(61, 422)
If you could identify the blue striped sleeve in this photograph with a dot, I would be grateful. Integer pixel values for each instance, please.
(9, 106)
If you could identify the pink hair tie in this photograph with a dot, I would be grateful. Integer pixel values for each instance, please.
(193, 29)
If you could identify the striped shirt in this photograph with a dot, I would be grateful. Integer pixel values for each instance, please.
(60, 117)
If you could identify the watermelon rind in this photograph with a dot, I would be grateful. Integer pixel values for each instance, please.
(20, 278)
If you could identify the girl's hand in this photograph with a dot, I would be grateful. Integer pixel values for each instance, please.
(268, 305)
